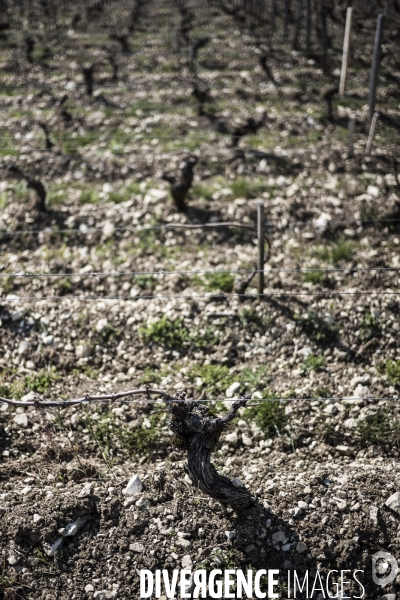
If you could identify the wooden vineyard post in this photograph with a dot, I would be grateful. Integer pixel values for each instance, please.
(346, 51)
(261, 247)
(375, 65)
(371, 133)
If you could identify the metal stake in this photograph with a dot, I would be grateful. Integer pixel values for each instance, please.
(261, 247)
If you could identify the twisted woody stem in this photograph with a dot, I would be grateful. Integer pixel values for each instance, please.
(196, 429)
(199, 431)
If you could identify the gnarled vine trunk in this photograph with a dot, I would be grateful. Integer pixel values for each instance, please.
(198, 431)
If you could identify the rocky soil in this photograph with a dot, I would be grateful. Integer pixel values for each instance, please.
(97, 295)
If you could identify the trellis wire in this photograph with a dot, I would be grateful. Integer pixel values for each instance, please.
(210, 296)
(269, 223)
(29, 275)
(158, 401)
(143, 138)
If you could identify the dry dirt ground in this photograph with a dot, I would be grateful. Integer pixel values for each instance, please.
(89, 304)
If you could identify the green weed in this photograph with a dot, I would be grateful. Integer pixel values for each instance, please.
(315, 276)
(167, 333)
(369, 326)
(41, 556)
(244, 188)
(210, 378)
(249, 316)
(201, 190)
(317, 328)
(89, 197)
(313, 363)
(321, 392)
(15, 385)
(253, 376)
(220, 281)
(174, 334)
(86, 370)
(7, 583)
(341, 250)
(8, 284)
(109, 333)
(269, 415)
(64, 286)
(379, 429)
(391, 368)
(151, 376)
(144, 281)
(141, 440)
(103, 434)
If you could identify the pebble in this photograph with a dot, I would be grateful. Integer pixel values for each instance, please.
(230, 391)
(247, 440)
(230, 535)
(302, 504)
(86, 490)
(361, 391)
(54, 547)
(301, 547)
(89, 588)
(136, 547)
(129, 501)
(73, 528)
(232, 438)
(105, 594)
(183, 543)
(278, 536)
(350, 423)
(143, 503)
(21, 420)
(101, 325)
(341, 504)
(393, 502)
(344, 450)
(237, 482)
(108, 229)
(83, 351)
(373, 514)
(23, 347)
(187, 562)
(134, 486)
(37, 518)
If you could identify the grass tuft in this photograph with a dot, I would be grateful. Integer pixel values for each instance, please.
(269, 415)
(313, 363)
(340, 250)
(379, 429)
(391, 368)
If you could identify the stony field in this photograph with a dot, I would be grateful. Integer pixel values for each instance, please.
(98, 295)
